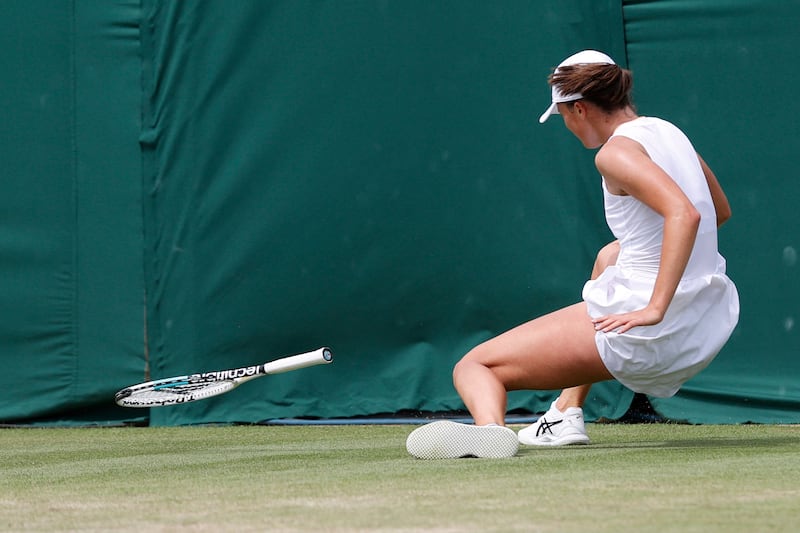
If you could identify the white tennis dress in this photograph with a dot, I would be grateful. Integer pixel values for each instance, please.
(658, 359)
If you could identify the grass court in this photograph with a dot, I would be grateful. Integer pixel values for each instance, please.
(640, 477)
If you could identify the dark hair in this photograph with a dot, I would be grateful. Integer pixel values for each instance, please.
(607, 86)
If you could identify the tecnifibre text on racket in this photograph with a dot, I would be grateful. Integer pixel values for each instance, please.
(183, 389)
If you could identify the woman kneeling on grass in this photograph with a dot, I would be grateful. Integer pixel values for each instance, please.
(658, 307)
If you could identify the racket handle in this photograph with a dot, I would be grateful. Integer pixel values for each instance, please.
(320, 356)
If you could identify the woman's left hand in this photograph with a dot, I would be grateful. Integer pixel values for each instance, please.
(623, 322)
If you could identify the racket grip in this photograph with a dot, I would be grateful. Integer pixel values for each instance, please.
(320, 356)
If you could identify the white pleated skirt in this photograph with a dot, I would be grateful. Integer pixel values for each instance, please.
(657, 360)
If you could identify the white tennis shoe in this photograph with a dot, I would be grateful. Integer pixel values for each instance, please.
(450, 440)
(555, 428)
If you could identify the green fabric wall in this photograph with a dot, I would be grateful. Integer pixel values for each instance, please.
(71, 283)
(359, 174)
(198, 185)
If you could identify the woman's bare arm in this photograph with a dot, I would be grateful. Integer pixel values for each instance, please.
(721, 205)
(628, 169)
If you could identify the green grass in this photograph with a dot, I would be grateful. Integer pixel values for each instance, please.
(360, 478)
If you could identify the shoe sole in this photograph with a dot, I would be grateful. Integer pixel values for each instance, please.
(567, 440)
(450, 440)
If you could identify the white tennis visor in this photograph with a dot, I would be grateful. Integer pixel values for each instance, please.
(581, 58)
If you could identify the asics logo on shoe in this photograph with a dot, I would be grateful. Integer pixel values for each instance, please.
(546, 427)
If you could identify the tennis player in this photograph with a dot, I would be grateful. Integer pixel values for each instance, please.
(658, 307)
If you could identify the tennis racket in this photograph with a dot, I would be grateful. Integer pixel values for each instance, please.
(183, 389)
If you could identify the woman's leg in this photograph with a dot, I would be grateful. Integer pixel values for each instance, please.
(576, 396)
(606, 257)
(554, 351)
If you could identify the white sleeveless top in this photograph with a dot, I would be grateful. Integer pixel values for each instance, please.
(658, 359)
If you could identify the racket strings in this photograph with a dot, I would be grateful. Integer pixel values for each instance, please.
(178, 393)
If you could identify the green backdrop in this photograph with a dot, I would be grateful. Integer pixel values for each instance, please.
(198, 185)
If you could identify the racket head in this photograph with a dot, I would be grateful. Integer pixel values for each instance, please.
(170, 392)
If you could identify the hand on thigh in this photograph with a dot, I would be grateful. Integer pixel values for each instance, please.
(554, 351)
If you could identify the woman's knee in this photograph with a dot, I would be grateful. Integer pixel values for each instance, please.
(461, 372)
(606, 257)
(465, 361)
(476, 356)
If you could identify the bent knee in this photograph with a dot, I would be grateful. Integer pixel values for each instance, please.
(473, 357)
(606, 257)
(460, 366)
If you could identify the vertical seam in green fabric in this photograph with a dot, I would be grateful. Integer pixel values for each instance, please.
(73, 133)
(144, 124)
(624, 32)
